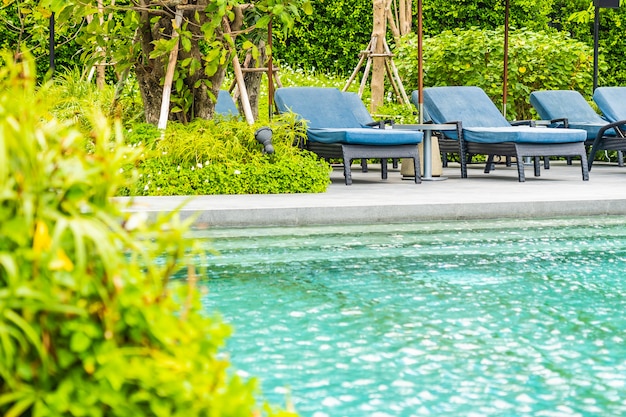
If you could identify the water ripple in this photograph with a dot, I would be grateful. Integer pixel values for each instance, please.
(520, 318)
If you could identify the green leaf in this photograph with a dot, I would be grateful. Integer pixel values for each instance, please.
(79, 342)
(186, 43)
(307, 7)
(20, 407)
(264, 21)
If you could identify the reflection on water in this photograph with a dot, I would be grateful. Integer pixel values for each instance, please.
(505, 318)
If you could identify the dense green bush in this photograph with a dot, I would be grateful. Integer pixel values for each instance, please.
(577, 18)
(537, 61)
(89, 323)
(331, 38)
(222, 157)
(170, 166)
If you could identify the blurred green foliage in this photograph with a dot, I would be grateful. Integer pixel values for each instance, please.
(90, 324)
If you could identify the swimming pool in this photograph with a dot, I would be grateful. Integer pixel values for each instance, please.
(499, 318)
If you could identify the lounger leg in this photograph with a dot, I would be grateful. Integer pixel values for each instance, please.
(383, 168)
(462, 156)
(520, 165)
(416, 167)
(584, 166)
(489, 165)
(620, 158)
(597, 145)
(363, 164)
(347, 173)
(537, 164)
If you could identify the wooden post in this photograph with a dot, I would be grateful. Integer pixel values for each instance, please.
(169, 74)
(364, 56)
(245, 102)
(378, 60)
(100, 77)
(270, 73)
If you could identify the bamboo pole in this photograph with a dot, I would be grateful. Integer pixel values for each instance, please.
(377, 85)
(396, 74)
(245, 101)
(364, 54)
(169, 74)
(270, 73)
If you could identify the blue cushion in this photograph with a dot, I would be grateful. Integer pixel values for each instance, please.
(365, 136)
(482, 121)
(569, 104)
(469, 105)
(522, 134)
(225, 104)
(354, 102)
(592, 129)
(612, 102)
(330, 117)
(320, 107)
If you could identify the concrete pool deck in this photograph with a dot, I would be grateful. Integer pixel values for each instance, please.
(558, 192)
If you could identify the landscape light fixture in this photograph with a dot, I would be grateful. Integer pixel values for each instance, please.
(264, 137)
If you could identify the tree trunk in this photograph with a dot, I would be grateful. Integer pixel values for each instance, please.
(406, 16)
(150, 71)
(400, 17)
(378, 61)
(198, 91)
(149, 80)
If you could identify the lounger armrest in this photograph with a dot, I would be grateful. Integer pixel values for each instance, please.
(563, 120)
(544, 123)
(459, 128)
(608, 126)
(381, 123)
(531, 123)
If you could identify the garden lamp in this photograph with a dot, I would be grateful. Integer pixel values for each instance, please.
(264, 137)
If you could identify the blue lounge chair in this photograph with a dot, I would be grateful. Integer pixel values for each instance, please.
(569, 109)
(612, 103)
(446, 146)
(481, 129)
(225, 105)
(365, 119)
(331, 122)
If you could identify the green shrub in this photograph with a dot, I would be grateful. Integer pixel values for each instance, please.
(222, 157)
(89, 323)
(72, 95)
(537, 61)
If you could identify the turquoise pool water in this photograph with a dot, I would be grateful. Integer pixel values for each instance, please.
(499, 318)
